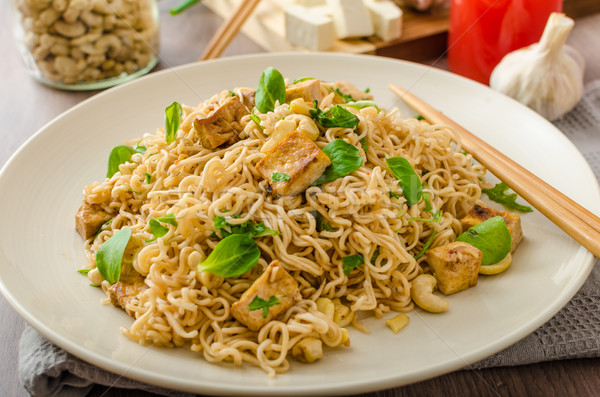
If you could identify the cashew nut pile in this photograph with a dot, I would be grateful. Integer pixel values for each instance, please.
(88, 40)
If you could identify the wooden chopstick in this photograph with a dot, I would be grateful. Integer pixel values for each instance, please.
(228, 30)
(571, 217)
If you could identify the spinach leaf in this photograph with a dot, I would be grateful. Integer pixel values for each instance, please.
(159, 230)
(248, 228)
(322, 224)
(271, 88)
(336, 116)
(491, 237)
(233, 256)
(497, 194)
(363, 104)
(110, 255)
(173, 114)
(351, 262)
(280, 177)
(261, 304)
(365, 145)
(256, 120)
(182, 6)
(345, 158)
(408, 179)
(120, 155)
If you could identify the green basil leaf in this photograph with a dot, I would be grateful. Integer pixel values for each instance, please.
(363, 104)
(248, 228)
(300, 80)
(345, 158)
(497, 194)
(233, 256)
(365, 145)
(118, 155)
(182, 6)
(336, 116)
(159, 230)
(492, 237)
(139, 148)
(261, 304)
(408, 179)
(148, 177)
(280, 177)
(110, 255)
(322, 224)
(271, 88)
(173, 114)
(351, 262)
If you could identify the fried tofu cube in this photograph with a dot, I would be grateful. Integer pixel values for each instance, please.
(89, 219)
(455, 266)
(308, 90)
(270, 295)
(299, 158)
(124, 292)
(223, 125)
(479, 214)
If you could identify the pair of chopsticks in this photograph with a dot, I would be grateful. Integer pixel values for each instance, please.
(572, 218)
(228, 30)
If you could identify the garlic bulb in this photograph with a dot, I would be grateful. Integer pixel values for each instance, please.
(546, 76)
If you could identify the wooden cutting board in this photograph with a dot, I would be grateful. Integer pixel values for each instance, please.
(424, 35)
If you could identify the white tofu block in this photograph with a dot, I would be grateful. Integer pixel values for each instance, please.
(310, 3)
(308, 29)
(387, 19)
(351, 18)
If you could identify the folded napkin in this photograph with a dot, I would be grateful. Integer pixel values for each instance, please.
(47, 370)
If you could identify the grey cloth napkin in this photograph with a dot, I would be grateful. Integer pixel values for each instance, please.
(47, 370)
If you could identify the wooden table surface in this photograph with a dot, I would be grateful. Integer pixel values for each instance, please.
(25, 106)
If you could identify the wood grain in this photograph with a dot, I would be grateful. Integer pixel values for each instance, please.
(25, 106)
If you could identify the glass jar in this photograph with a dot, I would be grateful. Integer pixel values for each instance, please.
(482, 32)
(86, 44)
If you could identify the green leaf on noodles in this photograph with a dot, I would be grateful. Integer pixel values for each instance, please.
(363, 104)
(120, 155)
(349, 263)
(271, 89)
(248, 228)
(365, 145)
(427, 244)
(498, 194)
(182, 6)
(173, 114)
(159, 230)
(261, 304)
(256, 120)
(110, 255)
(300, 80)
(345, 97)
(345, 158)
(233, 256)
(419, 117)
(322, 223)
(336, 116)
(148, 177)
(408, 179)
(280, 177)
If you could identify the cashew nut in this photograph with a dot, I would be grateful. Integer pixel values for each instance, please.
(421, 293)
(95, 277)
(306, 125)
(281, 130)
(70, 30)
(92, 19)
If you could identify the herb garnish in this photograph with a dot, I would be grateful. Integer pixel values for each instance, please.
(345, 97)
(173, 114)
(419, 117)
(148, 177)
(110, 255)
(345, 158)
(256, 120)
(322, 223)
(365, 145)
(248, 228)
(84, 271)
(336, 116)
(271, 89)
(351, 262)
(120, 155)
(182, 6)
(233, 256)
(497, 194)
(261, 304)
(363, 104)
(159, 230)
(407, 178)
(300, 80)
(280, 177)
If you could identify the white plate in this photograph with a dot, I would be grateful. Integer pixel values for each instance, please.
(40, 251)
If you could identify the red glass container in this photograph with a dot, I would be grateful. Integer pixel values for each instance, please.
(483, 31)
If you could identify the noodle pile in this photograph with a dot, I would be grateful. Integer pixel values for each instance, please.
(365, 210)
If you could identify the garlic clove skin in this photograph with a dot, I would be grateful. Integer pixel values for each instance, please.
(546, 76)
